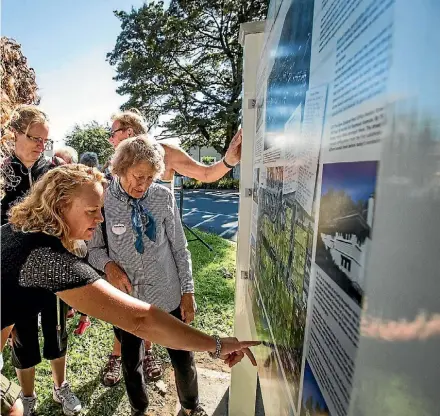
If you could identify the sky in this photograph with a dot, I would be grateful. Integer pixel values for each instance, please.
(66, 42)
(311, 389)
(357, 179)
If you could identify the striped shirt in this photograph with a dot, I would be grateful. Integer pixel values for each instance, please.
(163, 272)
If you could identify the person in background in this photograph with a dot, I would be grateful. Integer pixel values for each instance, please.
(28, 134)
(26, 138)
(89, 159)
(128, 124)
(131, 123)
(67, 153)
(106, 170)
(38, 261)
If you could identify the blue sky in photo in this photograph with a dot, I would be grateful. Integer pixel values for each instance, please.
(357, 179)
(311, 388)
(66, 42)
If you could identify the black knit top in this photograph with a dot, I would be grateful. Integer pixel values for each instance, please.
(33, 267)
(22, 180)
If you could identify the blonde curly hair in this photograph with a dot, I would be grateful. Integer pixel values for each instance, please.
(41, 210)
(136, 150)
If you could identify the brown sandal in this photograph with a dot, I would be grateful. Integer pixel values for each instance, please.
(152, 366)
(111, 373)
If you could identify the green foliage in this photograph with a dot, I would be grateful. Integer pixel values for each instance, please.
(337, 203)
(186, 61)
(91, 137)
(208, 160)
(224, 183)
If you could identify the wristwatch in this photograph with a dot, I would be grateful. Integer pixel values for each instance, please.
(227, 164)
(218, 348)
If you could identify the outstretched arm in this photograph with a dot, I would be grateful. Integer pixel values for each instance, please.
(107, 303)
(178, 160)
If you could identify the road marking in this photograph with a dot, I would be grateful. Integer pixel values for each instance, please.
(196, 211)
(227, 230)
(208, 219)
(190, 211)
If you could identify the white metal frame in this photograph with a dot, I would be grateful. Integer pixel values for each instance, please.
(244, 376)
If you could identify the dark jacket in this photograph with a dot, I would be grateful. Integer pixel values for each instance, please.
(19, 183)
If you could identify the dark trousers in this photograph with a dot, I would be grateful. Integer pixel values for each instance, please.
(25, 345)
(132, 357)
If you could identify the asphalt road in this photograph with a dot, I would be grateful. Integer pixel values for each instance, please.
(212, 211)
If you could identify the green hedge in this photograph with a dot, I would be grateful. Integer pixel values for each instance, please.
(224, 183)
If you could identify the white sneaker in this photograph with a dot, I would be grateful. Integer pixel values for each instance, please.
(64, 396)
(29, 404)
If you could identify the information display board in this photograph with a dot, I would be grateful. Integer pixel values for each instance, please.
(332, 109)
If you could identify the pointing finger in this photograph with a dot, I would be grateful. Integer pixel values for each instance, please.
(250, 355)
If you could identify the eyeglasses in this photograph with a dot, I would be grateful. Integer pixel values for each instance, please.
(112, 133)
(47, 143)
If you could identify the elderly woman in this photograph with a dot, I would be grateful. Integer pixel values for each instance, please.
(67, 153)
(38, 259)
(128, 124)
(145, 254)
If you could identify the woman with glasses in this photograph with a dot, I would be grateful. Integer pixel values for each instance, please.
(27, 137)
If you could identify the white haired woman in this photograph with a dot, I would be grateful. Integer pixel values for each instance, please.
(37, 253)
(67, 153)
(146, 255)
(129, 124)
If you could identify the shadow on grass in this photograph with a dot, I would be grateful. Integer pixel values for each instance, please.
(86, 391)
(214, 293)
(108, 402)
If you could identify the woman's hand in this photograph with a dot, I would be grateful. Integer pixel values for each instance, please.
(233, 351)
(233, 154)
(188, 307)
(117, 277)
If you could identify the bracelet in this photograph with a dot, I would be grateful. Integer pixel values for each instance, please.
(227, 164)
(218, 348)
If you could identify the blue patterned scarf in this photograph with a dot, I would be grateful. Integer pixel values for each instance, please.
(141, 219)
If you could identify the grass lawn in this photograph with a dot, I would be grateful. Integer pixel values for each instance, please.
(87, 354)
